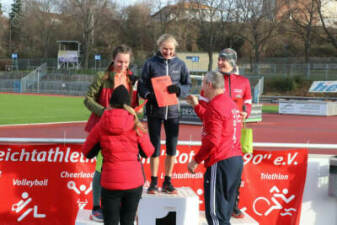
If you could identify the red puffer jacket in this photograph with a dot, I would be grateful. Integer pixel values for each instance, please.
(119, 141)
(221, 130)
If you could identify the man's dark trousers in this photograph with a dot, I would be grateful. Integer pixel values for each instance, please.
(221, 181)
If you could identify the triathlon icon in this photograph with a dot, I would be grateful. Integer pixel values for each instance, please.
(18, 207)
(277, 195)
(72, 186)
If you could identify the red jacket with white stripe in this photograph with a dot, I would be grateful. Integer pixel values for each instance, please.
(221, 130)
(240, 92)
(122, 169)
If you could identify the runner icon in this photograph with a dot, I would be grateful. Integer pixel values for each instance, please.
(18, 207)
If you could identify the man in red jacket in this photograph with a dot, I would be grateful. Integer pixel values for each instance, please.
(238, 88)
(219, 150)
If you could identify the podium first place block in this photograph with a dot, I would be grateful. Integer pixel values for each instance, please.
(169, 209)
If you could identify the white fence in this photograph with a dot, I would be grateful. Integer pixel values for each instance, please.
(31, 82)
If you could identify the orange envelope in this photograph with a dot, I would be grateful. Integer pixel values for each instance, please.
(164, 98)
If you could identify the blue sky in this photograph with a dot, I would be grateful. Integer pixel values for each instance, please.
(6, 5)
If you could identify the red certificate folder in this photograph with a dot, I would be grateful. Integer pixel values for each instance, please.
(164, 98)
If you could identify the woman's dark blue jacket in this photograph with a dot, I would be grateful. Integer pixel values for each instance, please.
(158, 66)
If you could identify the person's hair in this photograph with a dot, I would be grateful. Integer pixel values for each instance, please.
(236, 70)
(216, 79)
(167, 37)
(119, 97)
(123, 49)
(138, 125)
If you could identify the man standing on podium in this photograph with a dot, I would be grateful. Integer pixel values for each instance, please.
(238, 88)
(220, 149)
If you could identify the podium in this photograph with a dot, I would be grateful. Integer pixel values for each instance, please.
(82, 218)
(247, 220)
(169, 209)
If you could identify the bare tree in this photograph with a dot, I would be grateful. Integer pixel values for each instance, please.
(163, 15)
(107, 31)
(256, 23)
(303, 16)
(330, 31)
(210, 16)
(39, 27)
(86, 14)
(136, 26)
(3, 29)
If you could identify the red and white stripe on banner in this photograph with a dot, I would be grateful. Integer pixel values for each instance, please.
(48, 183)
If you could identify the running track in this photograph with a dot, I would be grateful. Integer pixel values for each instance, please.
(273, 128)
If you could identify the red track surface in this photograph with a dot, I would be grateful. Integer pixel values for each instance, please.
(273, 128)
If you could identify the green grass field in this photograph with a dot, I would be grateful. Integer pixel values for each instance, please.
(25, 109)
(270, 109)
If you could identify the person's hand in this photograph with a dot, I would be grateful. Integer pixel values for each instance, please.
(152, 99)
(174, 89)
(192, 166)
(133, 79)
(244, 115)
(192, 100)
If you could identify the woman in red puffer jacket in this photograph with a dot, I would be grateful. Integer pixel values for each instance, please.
(97, 100)
(118, 134)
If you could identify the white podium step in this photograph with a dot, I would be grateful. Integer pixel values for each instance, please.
(247, 220)
(82, 218)
(180, 209)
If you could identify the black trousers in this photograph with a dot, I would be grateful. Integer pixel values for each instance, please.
(221, 181)
(120, 205)
(171, 131)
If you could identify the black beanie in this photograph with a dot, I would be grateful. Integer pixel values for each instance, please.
(119, 97)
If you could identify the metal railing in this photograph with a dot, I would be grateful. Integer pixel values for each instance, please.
(31, 82)
(275, 99)
(191, 143)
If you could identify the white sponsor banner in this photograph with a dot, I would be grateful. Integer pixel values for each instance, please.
(324, 86)
(303, 108)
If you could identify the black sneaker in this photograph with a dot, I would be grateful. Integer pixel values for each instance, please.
(237, 213)
(97, 215)
(168, 188)
(153, 189)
